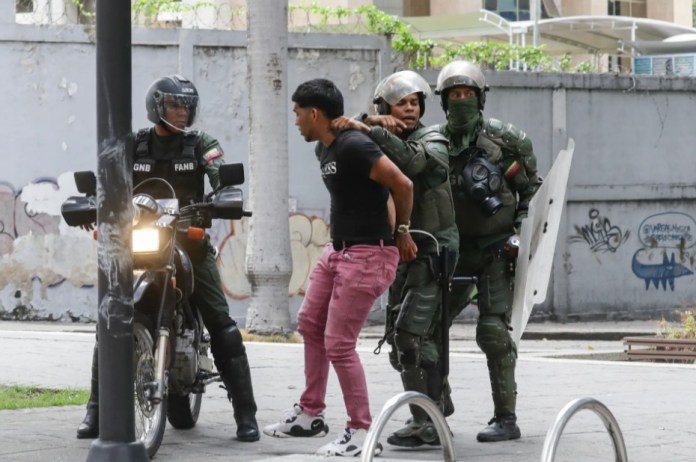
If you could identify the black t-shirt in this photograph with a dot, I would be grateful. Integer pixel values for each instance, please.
(358, 204)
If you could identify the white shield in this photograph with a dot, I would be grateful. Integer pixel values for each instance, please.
(538, 242)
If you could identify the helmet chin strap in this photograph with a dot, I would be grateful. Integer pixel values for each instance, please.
(183, 131)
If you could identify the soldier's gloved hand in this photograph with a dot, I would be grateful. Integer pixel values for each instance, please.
(390, 123)
(88, 226)
(512, 246)
(407, 248)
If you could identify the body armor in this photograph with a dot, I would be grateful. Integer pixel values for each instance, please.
(181, 169)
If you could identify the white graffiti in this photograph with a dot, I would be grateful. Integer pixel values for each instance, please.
(308, 236)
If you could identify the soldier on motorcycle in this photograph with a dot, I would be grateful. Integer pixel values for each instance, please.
(182, 156)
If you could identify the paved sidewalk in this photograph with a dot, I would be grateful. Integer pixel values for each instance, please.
(653, 403)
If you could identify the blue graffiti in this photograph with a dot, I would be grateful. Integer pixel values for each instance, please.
(668, 229)
(663, 273)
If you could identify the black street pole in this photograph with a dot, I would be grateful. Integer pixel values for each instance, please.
(115, 264)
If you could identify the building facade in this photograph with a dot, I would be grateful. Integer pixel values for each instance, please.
(674, 11)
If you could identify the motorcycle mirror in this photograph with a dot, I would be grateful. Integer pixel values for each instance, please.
(231, 174)
(78, 210)
(86, 182)
(228, 204)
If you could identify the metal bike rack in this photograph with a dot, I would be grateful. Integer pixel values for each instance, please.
(554, 434)
(421, 400)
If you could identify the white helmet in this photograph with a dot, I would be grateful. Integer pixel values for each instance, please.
(396, 87)
(459, 73)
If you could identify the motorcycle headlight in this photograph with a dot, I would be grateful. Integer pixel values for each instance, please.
(146, 240)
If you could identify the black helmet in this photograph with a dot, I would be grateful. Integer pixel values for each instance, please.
(180, 89)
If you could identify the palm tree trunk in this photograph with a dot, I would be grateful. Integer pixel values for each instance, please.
(268, 257)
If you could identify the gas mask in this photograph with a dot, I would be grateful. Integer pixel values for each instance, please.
(481, 180)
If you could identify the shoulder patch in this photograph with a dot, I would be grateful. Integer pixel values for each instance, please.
(211, 154)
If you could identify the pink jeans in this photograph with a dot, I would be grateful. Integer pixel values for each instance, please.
(344, 286)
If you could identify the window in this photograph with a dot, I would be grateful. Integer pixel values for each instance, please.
(25, 6)
(614, 8)
(512, 10)
(632, 8)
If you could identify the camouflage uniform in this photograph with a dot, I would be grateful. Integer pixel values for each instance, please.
(482, 237)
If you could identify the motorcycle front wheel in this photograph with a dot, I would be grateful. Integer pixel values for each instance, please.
(150, 417)
(183, 411)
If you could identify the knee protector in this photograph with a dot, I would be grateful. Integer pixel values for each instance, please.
(429, 353)
(227, 343)
(408, 347)
(493, 337)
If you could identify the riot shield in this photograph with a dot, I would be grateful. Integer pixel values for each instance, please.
(538, 242)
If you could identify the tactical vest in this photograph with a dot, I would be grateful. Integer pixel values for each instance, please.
(433, 205)
(180, 168)
(492, 139)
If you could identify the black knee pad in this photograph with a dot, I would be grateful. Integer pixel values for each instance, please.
(493, 336)
(227, 342)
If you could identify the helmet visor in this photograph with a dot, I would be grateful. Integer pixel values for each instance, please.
(178, 110)
(460, 73)
(399, 85)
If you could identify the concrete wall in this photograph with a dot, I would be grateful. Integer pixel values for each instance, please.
(676, 11)
(49, 131)
(583, 7)
(626, 246)
(445, 7)
(630, 198)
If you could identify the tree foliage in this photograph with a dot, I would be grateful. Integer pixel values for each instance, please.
(151, 8)
(419, 54)
(684, 329)
(409, 51)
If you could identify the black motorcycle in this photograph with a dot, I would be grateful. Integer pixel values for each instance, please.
(171, 358)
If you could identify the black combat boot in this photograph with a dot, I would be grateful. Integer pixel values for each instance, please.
(236, 376)
(418, 430)
(415, 434)
(89, 428)
(502, 428)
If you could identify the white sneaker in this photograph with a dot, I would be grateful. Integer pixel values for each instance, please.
(349, 444)
(296, 423)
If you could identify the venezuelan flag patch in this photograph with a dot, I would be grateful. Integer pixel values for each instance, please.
(211, 154)
(512, 170)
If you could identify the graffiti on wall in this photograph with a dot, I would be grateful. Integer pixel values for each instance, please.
(668, 239)
(37, 250)
(308, 236)
(599, 234)
(17, 218)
